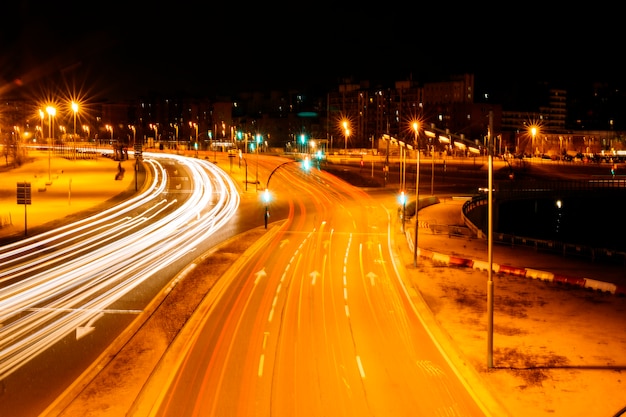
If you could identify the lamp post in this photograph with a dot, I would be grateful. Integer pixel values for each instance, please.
(195, 126)
(417, 189)
(431, 136)
(75, 110)
(51, 112)
(176, 129)
(533, 132)
(346, 133)
(41, 115)
(156, 131)
(266, 199)
(256, 144)
(134, 129)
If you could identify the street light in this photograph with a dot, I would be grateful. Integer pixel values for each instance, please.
(195, 126)
(51, 113)
(417, 189)
(176, 129)
(266, 199)
(533, 132)
(431, 135)
(156, 131)
(75, 110)
(134, 129)
(346, 133)
(257, 141)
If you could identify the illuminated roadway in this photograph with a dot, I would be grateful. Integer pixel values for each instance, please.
(314, 320)
(99, 273)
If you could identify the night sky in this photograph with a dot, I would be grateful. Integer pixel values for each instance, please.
(123, 52)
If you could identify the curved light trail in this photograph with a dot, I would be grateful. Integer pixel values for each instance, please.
(63, 280)
(315, 321)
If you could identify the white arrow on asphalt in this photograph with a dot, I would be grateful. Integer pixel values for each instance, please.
(313, 276)
(372, 277)
(82, 331)
(259, 275)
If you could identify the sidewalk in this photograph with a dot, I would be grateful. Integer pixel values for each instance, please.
(60, 188)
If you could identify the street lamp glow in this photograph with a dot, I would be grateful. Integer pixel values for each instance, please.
(74, 106)
(533, 133)
(51, 113)
(346, 132)
(416, 126)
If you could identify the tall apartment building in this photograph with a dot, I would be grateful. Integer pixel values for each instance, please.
(447, 105)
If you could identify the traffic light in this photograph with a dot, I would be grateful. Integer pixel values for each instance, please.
(306, 163)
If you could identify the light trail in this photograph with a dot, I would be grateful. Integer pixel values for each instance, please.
(56, 282)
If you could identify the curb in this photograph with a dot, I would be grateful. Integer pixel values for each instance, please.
(454, 261)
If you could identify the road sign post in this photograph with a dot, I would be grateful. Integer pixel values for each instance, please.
(24, 197)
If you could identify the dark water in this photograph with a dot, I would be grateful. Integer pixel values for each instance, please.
(595, 221)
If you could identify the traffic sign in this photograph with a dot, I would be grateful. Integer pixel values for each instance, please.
(23, 193)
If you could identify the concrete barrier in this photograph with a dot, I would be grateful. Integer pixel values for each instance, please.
(600, 285)
(512, 270)
(542, 275)
(441, 258)
(484, 266)
(575, 281)
(462, 262)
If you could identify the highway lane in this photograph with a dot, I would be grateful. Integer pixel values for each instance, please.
(314, 321)
(66, 294)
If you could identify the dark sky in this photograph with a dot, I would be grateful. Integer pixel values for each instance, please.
(200, 48)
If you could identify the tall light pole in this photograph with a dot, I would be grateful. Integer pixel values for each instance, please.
(51, 113)
(176, 129)
(533, 132)
(431, 135)
(417, 189)
(75, 110)
(110, 129)
(156, 131)
(346, 133)
(490, 283)
(256, 144)
(134, 129)
(195, 126)
(41, 115)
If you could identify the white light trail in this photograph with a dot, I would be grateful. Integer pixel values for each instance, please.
(62, 280)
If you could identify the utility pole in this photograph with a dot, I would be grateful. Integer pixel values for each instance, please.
(490, 245)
